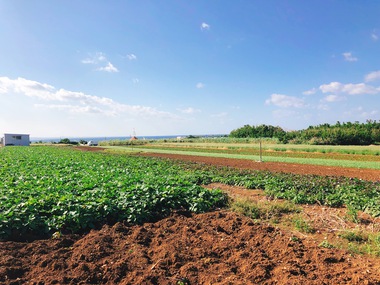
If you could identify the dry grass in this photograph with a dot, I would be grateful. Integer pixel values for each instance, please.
(357, 232)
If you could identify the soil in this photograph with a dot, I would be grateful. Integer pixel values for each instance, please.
(219, 247)
(360, 173)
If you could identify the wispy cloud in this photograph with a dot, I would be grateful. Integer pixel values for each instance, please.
(200, 85)
(77, 102)
(109, 68)
(131, 56)
(374, 35)
(361, 112)
(349, 57)
(28, 87)
(351, 89)
(332, 98)
(285, 101)
(70, 108)
(205, 26)
(95, 58)
(189, 110)
(375, 75)
(100, 60)
(310, 92)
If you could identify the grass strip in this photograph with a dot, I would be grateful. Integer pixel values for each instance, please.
(313, 161)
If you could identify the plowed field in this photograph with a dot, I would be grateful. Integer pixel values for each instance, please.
(365, 174)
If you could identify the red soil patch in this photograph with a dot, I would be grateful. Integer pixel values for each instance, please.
(214, 248)
(365, 174)
(89, 148)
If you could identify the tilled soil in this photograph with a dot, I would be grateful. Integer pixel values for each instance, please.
(365, 174)
(220, 247)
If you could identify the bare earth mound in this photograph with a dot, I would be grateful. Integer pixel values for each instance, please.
(213, 248)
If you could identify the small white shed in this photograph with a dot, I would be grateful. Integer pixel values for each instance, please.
(15, 139)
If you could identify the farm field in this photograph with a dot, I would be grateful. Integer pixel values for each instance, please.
(343, 156)
(254, 145)
(129, 219)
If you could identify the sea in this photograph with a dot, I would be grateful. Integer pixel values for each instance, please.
(98, 139)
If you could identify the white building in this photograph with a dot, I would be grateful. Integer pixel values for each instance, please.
(15, 139)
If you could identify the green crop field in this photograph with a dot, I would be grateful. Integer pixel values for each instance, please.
(48, 189)
(44, 189)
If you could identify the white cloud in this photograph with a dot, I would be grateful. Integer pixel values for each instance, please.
(360, 88)
(200, 85)
(349, 57)
(99, 59)
(333, 98)
(310, 92)
(374, 36)
(135, 80)
(219, 115)
(285, 101)
(323, 107)
(205, 26)
(331, 87)
(95, 58)
(70, 108)
(351, 89)
(375, 75)
(131, 56)
(189, 110)
(28, 87)
(109, 68)
(77, 102)
(369, 114)
(362, 113)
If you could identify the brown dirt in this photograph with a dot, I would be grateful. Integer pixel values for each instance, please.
(361, 173)
(365, 174)
(219, 247)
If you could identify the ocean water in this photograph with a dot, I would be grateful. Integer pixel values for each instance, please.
(98, 139)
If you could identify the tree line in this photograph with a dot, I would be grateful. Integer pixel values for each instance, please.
(345, 133)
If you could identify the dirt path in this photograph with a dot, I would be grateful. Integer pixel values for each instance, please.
(365, 174)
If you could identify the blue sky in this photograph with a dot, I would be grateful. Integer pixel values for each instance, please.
(175, 67)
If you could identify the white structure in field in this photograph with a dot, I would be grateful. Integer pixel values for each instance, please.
(15, 139)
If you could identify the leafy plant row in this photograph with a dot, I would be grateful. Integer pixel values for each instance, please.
(356, 194)
(48, 189)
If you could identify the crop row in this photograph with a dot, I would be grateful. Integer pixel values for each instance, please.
(276, 152)
(49, 189)
(356, 194)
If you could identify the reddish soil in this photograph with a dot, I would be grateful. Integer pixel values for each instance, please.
(365, 174)
(219, 247)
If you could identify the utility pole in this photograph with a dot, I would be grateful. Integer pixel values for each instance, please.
(261, 152)
(133, 138)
